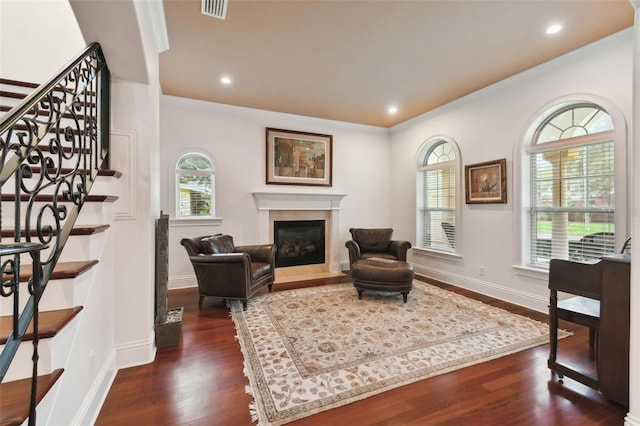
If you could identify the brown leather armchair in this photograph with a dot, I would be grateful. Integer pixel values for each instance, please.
(227, 271)
(375, 242)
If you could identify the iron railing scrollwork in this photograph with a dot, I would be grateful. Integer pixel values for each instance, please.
(52, 145)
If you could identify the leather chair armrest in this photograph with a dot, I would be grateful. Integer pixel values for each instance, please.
(399, 249)
(243, 258)
(192, 245)
(354, 251)
(265, 253)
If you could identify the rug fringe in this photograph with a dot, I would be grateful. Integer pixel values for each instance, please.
(253, 412)
(253, 408)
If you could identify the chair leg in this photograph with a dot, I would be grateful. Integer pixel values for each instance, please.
(553, 327)
(593, 341)
(200, 300)
(244, 305)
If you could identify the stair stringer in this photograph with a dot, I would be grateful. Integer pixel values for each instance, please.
(86, 347)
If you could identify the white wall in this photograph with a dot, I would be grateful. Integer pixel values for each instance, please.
(236, 139)
(135, 117)
(35, 52)
(491, 124)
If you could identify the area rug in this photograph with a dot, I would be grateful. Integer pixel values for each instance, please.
(313, 349)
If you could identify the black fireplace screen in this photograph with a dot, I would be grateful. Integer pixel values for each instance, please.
(299, 242)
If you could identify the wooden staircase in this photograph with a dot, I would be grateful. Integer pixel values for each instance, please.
(69, 287)
(14, 394)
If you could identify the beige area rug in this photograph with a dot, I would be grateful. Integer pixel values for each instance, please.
(313, 349)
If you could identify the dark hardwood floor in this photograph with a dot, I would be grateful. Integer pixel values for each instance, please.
(200, 382)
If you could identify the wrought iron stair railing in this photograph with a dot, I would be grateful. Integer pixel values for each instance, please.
(53, 142)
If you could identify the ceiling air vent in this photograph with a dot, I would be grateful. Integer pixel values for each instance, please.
(215, 8)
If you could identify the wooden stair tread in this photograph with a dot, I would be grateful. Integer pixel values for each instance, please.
(67, 170)
(14, 397)
(25, 128)
(63, 270)
(49, 324)
(44, 147)
(18, 95)
(77, 230)
(19, 83)
(47, 198)
(12, 95)
(43, 113)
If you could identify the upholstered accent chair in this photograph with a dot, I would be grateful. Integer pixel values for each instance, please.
(227, 271)
(375, 242)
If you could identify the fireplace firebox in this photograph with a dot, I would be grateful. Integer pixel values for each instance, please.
(299, 242)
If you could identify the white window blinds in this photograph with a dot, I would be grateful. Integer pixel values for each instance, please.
(195, 186)
(572, 211)
(439, 198)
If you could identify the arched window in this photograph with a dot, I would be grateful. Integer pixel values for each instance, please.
(437, 196)
(572, 186)
(195, 186)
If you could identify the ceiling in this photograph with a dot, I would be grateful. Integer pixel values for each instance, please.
(350, 60)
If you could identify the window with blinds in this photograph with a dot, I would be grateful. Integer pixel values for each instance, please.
(195, 186)
(572, 194)
(438, 211)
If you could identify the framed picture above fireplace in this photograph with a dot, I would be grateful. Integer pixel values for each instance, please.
(299, 158)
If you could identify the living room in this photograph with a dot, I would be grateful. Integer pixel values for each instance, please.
(371, 164)
(375, 168)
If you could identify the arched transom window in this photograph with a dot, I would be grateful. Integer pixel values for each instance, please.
(195, 186)
(437, 198)
(572, 193)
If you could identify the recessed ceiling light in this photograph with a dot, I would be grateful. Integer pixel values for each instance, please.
(393, 109)
(225, 80)
(553, 29)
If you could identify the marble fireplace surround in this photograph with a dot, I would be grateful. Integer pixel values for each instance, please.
(274, 206)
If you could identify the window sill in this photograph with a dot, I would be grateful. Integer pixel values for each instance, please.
(208, 221)
(438, 254)
(529, 272)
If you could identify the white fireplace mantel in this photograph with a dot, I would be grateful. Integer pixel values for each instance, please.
(296, 201)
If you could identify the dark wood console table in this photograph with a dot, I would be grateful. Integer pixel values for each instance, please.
(605, 283)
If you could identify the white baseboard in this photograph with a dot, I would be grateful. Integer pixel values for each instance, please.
(521, 298)
(89, 410)
(136, 353)
(184, 281)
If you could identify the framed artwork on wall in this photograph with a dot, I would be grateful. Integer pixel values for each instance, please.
(299, 158)
(486, 182)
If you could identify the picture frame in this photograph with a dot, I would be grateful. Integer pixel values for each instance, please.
(486, 182)
(299, 158)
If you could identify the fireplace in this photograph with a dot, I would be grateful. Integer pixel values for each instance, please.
(290, 206)
(299, 242)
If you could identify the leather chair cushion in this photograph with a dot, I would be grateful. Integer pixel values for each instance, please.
(217, 244)
(369, 255)
(375, 240)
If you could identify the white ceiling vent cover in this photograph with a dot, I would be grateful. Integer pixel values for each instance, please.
(215, 8)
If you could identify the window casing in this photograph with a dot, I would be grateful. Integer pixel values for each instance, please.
(437, 198)
(195, 187)
(571, 211)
